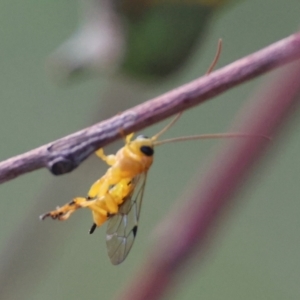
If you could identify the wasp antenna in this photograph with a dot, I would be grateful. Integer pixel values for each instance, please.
(210, 69)
(216, 58)
(155, 137)
(211, 136)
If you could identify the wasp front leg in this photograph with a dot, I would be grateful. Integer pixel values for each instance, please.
(109, 159)
(101, 184)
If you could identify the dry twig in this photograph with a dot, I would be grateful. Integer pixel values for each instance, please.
(67, 153)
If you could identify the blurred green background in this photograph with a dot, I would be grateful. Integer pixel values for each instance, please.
(256, 254)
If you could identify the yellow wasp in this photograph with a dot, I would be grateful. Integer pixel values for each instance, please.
(117, 195)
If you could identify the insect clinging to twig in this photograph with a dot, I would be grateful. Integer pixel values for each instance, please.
(117, 196)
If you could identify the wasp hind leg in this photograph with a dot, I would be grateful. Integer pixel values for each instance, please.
(64, 212)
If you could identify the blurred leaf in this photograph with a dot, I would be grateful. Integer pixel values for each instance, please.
(153, 38)
(162, 35)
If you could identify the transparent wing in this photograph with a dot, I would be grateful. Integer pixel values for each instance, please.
(122, 227)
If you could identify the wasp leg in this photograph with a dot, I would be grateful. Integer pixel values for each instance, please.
(100, 210)
(94, 190)
(64, 212)
(99, 213)
(109, 159)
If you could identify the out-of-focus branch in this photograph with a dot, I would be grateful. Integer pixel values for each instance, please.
(200, 214)
(67, 153)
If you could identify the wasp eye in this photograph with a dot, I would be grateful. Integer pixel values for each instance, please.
(148, 151)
